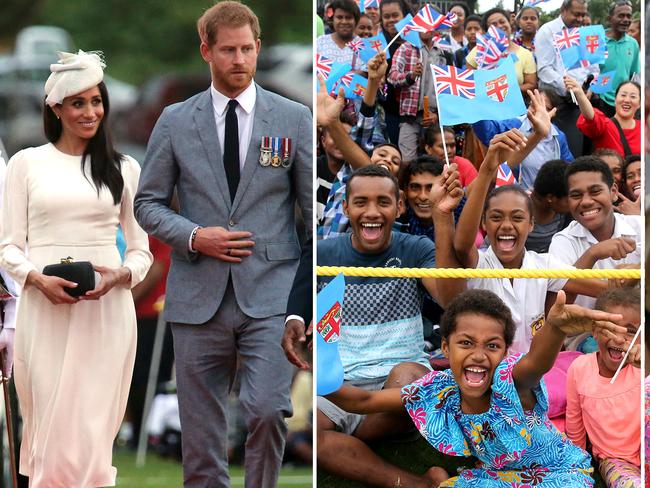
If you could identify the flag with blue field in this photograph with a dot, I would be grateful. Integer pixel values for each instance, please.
(491, 94)
(329, 304)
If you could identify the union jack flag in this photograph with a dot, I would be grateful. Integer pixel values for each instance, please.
(488, 51)
(452, 81)
(356, 45)
(345, 80)
(504, 176)
(567, 38)
(450, 20)
(369, 3)
(499, 36)
(426, 20)
(323, 66)
(442, 43)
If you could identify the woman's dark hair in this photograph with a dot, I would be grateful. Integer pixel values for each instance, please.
(462, 5)
(630, 82)
(632, 158)
(523, 9)
(433, 133)
(347, 6)
(402, 5)
(486, 16)
(105, 161)
(481, 302)
(550, 179)
(509, 189)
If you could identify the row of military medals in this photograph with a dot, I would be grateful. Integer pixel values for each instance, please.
(275, 151)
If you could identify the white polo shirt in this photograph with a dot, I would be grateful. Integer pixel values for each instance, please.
(572, 242)
(525, 298)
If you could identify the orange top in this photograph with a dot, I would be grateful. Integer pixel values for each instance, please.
(610, 415)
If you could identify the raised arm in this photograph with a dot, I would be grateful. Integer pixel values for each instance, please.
(445, 196)
(356, 400)
(470, 218)
(328, 110)
(540, 119)
(562, 320)
(586, 109)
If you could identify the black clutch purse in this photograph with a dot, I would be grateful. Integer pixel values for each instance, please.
(80, 272)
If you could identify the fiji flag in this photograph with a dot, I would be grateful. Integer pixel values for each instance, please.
(372, 46)
(593, 44)
(355, 85)
(405, 28)
(329, 369)
(504, 175)
(603, 82)
(480, 95)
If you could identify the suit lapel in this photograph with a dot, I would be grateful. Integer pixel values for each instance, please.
(207, 129)
(261, 128)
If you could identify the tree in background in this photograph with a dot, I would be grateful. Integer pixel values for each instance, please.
(148, 37)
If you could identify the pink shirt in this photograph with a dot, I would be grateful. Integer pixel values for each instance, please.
(610, 415)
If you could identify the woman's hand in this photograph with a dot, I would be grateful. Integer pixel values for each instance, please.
(110, 277)
(52, 287)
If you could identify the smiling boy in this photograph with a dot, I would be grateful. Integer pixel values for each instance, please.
(382, 342)
(598, 238)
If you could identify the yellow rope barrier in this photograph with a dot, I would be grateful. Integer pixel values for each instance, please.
(478, 273)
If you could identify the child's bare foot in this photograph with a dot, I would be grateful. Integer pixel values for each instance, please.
(436, 476)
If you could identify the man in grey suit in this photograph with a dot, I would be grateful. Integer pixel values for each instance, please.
(239, 157)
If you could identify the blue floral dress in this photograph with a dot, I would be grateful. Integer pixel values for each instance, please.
(516, 448)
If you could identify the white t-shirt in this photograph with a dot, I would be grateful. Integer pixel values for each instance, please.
(525, 298)
(572, 242)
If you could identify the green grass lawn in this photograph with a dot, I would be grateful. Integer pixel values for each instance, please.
(161, 473)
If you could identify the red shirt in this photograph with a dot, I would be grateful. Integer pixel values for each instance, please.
(466, 171)
(161, 253)
(604, 133)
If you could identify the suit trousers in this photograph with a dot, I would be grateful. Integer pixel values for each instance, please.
(206, 363)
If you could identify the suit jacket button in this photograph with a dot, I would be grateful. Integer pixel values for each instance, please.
(231, 223)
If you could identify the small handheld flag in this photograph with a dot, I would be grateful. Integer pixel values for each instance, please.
(603, 82)
(329, 369)
(504, 175)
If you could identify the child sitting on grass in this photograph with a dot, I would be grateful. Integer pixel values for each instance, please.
(491, 405)
(609, 414)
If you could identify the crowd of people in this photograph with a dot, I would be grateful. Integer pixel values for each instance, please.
(396, 189)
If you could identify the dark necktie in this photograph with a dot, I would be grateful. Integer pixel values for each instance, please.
(231, 149)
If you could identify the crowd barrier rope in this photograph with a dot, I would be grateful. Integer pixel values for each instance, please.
(478, 273)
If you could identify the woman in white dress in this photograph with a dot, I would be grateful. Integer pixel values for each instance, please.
(73, 356)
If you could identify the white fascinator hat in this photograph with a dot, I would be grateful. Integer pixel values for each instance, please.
(72, 74)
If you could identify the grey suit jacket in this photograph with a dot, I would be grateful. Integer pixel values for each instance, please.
(184, 151)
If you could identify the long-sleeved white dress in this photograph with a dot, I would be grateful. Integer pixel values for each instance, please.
(73, 363)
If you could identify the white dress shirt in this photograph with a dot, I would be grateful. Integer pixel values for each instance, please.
(571, 243)
(245, 113)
